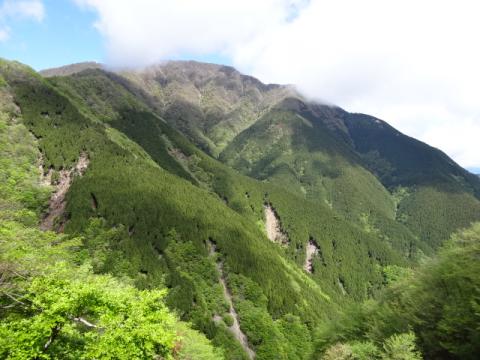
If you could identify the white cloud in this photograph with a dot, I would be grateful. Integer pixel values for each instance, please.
(413, 63)
(14, 10)
(4, 34)
(26, 9)
(145, 31)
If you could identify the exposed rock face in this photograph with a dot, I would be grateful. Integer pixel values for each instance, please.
(274, 227)
(57, 204)
(312, 250)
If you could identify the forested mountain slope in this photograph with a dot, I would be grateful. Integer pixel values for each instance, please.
(149, 212)
(244, 195)
(319, 152)
(52, 304)
(262, 214)
(433, 308)
(438, 195)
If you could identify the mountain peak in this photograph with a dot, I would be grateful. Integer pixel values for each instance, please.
(201, 72)
(71, 69)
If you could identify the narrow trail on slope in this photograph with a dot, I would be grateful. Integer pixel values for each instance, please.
(57, 202)
(235, 328)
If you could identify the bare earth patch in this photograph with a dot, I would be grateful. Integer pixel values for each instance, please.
(312, 250)
(274, 227)
(57, 202)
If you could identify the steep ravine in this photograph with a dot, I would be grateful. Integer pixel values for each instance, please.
(57, 203)
(235, 328)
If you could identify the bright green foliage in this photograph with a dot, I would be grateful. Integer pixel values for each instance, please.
(445, 298)
(103, 251)
(298, 341)
(87, 317)
(397, 347)
(194, 346)
(364, 350)
(439, 302)
(21, 197)
(53, 309)
(401, 347)
(393, 273)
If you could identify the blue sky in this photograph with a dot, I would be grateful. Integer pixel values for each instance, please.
(65, 35)
(428, 92)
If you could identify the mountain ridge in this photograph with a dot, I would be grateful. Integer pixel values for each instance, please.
(216, 106)
(193, 65)
(310, 209)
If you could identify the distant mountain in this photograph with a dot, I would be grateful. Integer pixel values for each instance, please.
(70, 69)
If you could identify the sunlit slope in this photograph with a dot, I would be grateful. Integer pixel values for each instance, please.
(247, 196)
(154, 215)
(301, 154)
(321, 152)
(209, 103)
(156, 224)
(53, 305)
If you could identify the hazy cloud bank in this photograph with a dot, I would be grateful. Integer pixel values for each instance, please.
(412, 63)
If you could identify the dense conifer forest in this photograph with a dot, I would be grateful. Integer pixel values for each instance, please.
(187, 211)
